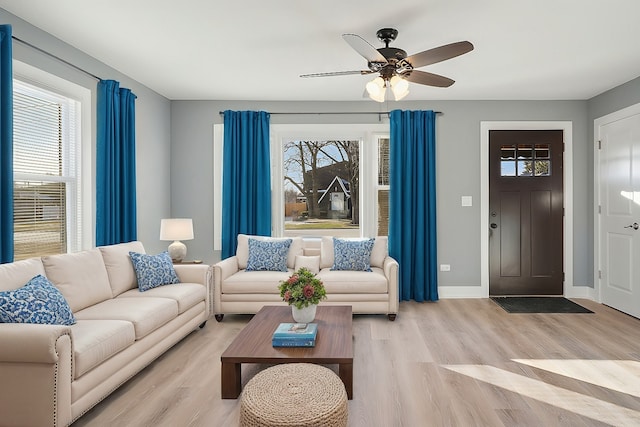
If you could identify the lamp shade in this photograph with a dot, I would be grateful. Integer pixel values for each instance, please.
(399, 87)
(176, 229)
(376, 89)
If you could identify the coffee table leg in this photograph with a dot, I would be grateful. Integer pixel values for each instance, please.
(345, 371)
(231, 375)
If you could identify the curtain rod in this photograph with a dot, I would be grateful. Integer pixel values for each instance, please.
(56, 57)
(339, 113)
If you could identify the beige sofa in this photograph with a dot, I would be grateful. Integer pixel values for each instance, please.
(239, 291)
(53, 374)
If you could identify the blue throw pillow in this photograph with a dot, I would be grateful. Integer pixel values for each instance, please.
(352, 255)
(153, 270)
(38, 301)
(268, 255)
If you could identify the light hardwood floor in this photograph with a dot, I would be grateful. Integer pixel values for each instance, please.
(452, 363)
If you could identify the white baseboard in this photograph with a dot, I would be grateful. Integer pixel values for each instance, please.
(585, 292)
(445, 292)
(450, 292)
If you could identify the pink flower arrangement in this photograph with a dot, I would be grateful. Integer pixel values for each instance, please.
(302, 289)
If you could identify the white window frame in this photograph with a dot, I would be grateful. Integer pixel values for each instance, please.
(80, 213)
(366, 135)
(379, 187)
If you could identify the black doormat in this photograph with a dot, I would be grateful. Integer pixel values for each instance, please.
(539, 305)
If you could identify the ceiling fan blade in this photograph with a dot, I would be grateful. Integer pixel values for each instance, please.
(439, 54)
(337, 73)
(365, 49)
(429, 79)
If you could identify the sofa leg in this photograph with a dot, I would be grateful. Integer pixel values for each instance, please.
(218, 317)
(202, 324)
(392, 316)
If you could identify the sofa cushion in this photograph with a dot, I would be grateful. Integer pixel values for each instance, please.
(95, 341)
(311, 263)
(352, 255)
(15, 274)
(268, 255)
(186, 295)
(251, 282)
(122, 276)
(242, 250)
(378, 253)
(153, 270)
(354, 282)
(81, 277)
(38, 301)
(146, 314)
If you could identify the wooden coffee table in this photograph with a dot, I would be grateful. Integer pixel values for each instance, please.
(253, 345)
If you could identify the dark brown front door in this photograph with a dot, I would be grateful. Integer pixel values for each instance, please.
(525, 212)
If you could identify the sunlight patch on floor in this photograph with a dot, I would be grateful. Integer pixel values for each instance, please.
(587, 406)
(618, 375)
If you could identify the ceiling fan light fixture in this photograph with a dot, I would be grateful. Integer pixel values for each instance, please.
(399, 87)
(376, 89)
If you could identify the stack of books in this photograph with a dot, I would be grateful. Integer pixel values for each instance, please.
(295, 335)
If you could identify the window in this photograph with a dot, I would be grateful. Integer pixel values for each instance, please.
(348, 153)
(321, 187)
(47, 159)
(383, 187)
(525, 160)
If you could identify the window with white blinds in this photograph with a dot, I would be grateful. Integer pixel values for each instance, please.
(46, 155)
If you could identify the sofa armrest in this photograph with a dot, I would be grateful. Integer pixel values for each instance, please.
(221, 271)
(390, 268)
(36, 371)
(198, 273)
(30, 343)
(192, 273)
(225, 269)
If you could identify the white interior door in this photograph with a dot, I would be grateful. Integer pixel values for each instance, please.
(619, 193)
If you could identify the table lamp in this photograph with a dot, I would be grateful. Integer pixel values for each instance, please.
(176, 229)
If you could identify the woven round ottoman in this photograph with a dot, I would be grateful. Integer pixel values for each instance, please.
(294, 394)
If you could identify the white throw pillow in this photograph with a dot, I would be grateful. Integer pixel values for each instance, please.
(311, 263)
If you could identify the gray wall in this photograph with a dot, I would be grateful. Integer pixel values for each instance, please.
(458, 151)
(152, 121)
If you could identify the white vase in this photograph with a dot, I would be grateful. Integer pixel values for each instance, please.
(305, 314)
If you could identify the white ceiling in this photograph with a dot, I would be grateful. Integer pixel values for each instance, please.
(256, 49)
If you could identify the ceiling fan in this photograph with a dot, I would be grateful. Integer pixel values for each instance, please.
(395, 68)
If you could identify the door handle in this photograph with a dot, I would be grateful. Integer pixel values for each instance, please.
(635, 226)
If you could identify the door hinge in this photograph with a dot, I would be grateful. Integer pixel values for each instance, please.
(599, 209)
(599, 145)
(599, 274)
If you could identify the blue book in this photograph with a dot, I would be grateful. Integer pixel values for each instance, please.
(293, 342)
(296, 331)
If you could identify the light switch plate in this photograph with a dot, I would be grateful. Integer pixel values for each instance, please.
(467, 200)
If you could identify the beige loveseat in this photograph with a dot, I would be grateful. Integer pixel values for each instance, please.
(239, 291)
(50, 374)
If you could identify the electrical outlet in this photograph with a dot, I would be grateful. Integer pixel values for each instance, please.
(445, 267)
